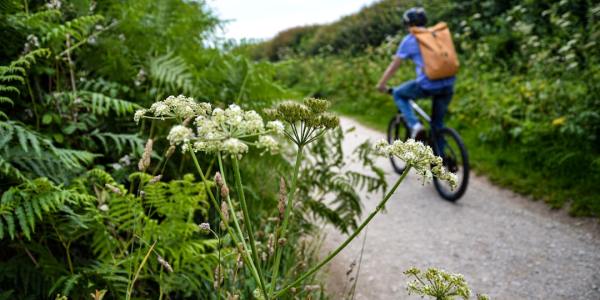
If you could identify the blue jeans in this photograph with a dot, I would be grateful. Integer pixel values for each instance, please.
(411, 90)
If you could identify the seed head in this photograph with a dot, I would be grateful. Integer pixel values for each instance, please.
(144, 162)
(170, 151)
(165, 264)
(282, 196)
(282, 241)
(155, 179)
(225, 211)
(204, 228)
(114, 189)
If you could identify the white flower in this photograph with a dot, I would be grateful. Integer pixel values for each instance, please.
(160, 109)
(420, 157)
(138, 115)
(253, 123)
(103, 207)
(230, 131)
(180, 134)
(276, 126)
(234, 146)
(268, 142)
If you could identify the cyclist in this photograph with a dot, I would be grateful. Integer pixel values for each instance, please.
(440, 90)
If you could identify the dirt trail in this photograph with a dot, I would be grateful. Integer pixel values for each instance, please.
(504, 244)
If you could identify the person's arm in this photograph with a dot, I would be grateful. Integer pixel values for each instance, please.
(389, 72)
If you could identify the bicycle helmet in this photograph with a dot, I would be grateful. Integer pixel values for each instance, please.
(415, 17)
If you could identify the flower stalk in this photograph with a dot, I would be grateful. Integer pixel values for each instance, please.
(286, 217)
(237, 237)
(248, 222)
(341, 247)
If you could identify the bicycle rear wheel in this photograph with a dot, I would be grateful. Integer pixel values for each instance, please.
(456, 160)
(397, 130)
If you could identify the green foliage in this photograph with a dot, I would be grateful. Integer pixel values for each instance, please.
(331, 188)
(29, 202)
(525, 96)
(118, 228)
(439, 285)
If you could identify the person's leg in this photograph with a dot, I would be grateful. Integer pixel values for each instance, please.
(402, 94)
(441, 99)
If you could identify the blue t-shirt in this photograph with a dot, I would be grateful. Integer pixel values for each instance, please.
(409, 49)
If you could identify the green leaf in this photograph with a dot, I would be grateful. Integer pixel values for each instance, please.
(59, 138)
(70, 129)
(47, 119)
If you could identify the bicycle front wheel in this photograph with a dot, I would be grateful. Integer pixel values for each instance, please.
(456, 160)
(397, 130)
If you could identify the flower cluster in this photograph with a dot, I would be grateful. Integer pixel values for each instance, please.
(231, 130)
(180, 107)
(308, 119)
(437, 283)
(420, 157)
(228, 130)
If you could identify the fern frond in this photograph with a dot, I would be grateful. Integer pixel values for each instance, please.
(9, 88)
(77, 28)
(25, 61)
(30, 201)
(121, 142)
(100, 85)
(101, 104)
(171, 73)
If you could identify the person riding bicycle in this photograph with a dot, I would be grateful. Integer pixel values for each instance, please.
(440, 90)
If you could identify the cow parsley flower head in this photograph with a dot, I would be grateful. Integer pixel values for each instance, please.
(234, 147)
(230, 131)
(268, 143)
(420, 157)
(180, 134)
(139, 114)
(437, 283)
(276, 126)
(308, 120)
(180, 107)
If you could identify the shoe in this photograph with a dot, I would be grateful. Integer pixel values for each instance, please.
(417, 132)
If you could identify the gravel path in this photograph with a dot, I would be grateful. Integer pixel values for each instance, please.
(504, 244)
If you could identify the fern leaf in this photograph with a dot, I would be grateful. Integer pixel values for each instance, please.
(8, 88)
(22, 218)
(77, 28)
(10, 224)
(121, 142)
(171, 74)
(5, 100)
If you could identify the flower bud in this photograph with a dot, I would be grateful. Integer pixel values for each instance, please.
(170, 151)
(204, 228)
(281, 203)
(155, 179)
(225, 211)
(165, 264)
(114, 189)
(144, 162)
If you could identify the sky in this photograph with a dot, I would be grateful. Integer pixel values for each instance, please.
(263, 19)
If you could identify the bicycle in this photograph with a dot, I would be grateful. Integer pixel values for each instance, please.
(454, 152)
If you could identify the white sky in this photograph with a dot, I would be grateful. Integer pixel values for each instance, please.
(263, 19)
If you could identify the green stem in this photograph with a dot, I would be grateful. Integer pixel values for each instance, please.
(248, 259)
(234, 237)
(249, 227)
(288, 209)
(137, 273)
(331, 255)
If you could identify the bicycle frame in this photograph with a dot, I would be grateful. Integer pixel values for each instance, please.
(433, 141)
(420, 111)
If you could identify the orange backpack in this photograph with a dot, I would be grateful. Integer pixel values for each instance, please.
(437, 49)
